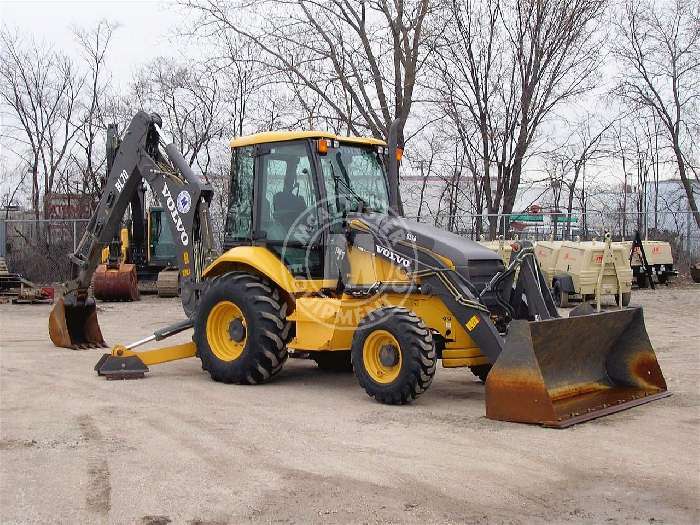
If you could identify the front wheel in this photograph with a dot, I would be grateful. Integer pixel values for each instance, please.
(241, 329)
(626, 298)
(393, 355)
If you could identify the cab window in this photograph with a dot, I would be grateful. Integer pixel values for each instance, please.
(288, 207)
(240, 209)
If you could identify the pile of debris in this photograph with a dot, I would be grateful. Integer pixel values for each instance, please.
(19, 290)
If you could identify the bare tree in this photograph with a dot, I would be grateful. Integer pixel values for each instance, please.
(94, 44)
(659, 54)
(40, 88)
(188, 98)
(353, 63)
(588, 145)
(503, 69)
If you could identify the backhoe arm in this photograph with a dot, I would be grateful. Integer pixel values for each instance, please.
(186, 198)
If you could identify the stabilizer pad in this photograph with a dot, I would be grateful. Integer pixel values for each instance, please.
(114, 367)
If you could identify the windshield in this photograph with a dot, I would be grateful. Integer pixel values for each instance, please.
(354, 177)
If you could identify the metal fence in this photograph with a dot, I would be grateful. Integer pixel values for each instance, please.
(38, 249)
(678, 228)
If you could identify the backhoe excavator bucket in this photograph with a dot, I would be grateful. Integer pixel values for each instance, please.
(116, 284)
(564, 371)
(73, 324)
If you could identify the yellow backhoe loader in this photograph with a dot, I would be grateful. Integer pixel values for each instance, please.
(320, 263)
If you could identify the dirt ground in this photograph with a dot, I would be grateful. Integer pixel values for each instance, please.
(311, 447)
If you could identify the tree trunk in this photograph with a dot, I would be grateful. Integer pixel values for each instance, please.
(687, 186)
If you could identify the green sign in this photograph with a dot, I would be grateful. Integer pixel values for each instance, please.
(526, 217)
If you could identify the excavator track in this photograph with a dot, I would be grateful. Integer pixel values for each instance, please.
(168, 284)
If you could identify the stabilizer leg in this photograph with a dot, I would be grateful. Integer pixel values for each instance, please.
(124, 363)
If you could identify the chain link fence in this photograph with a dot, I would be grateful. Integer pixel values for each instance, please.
(575, 226)
(38, 249)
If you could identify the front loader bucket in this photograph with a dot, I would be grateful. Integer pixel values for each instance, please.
(73, 324)
(564, 371)
(116, 284)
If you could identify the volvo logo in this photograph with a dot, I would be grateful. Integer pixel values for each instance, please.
(177, 220)
(393, 256)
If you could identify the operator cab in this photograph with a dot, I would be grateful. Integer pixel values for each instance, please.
(290, 190)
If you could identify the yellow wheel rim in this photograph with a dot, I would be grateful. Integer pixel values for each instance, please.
(381, 356)
(224, 319)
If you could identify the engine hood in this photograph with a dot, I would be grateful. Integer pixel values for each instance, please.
(461, 251)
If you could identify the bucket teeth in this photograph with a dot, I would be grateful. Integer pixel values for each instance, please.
(565, 371)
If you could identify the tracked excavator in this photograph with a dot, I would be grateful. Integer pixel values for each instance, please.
(142, 256)
(319, 263)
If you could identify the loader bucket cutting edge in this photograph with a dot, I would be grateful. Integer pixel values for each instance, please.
(73, 324)
(565, 371)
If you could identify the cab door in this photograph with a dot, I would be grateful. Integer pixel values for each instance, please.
(287, 214)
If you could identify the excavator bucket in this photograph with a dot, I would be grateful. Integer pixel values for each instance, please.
(116, 284)
(73, 324)
(564, 371)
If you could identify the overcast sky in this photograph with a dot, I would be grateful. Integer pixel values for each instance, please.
(143, 35)
(147, 31)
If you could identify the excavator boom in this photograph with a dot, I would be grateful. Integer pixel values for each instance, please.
(73, 320)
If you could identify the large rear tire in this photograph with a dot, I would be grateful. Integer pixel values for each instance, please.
(240, 329)
(393, 355)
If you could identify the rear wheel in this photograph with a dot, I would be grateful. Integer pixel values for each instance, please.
(642, 280)
(561, 298)
(241, 329)
(337, 361)
(393, 355)
(481, 371)
(626, 298)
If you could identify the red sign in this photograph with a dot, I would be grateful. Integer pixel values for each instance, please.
(68, 206)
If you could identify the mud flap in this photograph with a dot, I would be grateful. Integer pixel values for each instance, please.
(118, 284)
(564, 371)
(73, 324)
(114, 367)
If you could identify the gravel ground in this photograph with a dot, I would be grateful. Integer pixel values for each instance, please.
(311, 447)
